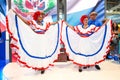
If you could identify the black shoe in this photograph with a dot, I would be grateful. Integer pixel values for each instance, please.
(97, 67)
(80, 70)
(43, 71)
(88, 67)
(85, 67)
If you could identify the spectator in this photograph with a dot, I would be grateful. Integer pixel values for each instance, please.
(115, 39)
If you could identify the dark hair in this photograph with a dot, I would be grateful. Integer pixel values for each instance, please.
(114, 29)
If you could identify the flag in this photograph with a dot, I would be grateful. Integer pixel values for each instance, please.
(48, 6)
(2, 15)
(3, 10)
(77, 8)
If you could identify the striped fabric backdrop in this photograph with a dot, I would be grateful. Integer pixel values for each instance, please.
(76, 8)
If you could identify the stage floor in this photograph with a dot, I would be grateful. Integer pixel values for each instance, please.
(64, 71)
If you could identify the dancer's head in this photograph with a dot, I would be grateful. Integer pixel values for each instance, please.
(38, 16)
(84, 19)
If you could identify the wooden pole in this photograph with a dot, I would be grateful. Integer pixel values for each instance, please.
(10, 52)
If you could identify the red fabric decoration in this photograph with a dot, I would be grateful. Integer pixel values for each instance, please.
(83, 17)
(28, 4)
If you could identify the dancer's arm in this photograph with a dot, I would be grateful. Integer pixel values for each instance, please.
(69, 25)
(22, 18)
(105, 22)
(53, 23)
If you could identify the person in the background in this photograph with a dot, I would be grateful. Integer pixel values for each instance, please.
(115, 39)
(93, 21)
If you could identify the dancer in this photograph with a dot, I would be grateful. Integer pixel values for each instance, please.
(91, 42)
(37, 24)
(84, 21)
